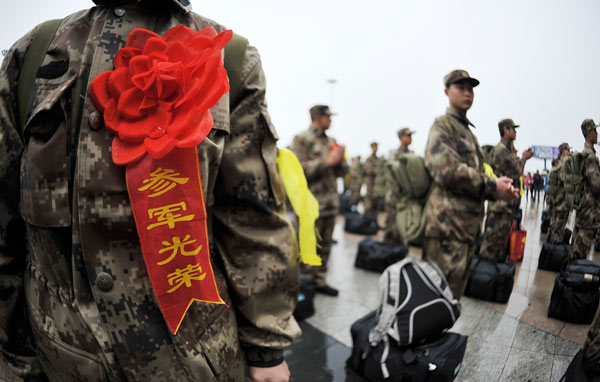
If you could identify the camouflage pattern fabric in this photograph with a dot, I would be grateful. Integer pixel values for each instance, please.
(356, 182)
(551, 188)
(455, 207)
(558, 222)
(371, 167)
(591, 347)
(391, 233)
(500, 214)
(312, 147)
(75, 297)
(324, 226)
(587, 219)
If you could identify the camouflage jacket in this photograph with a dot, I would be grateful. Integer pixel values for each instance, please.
(505, 162)
(399, 151)
(551, 187)
(455, 162)
(357, 176)
(312, 147)
(589, 213)
(74, 289)
(371, 165)
(559, 192)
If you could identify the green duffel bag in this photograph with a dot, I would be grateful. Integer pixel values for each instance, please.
(410, 221)
(410, 175)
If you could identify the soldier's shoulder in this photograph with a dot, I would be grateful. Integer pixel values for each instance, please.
(304, 136)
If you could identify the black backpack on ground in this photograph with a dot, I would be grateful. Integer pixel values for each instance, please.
(545, 221)
(305, 306)
(438, 360)
(376, 255)
(490, 280)
(576, 294)
(344, 204)
(553, 256)
(360, 224)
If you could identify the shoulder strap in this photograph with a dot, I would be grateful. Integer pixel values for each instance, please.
(235, 52)
(31, 63)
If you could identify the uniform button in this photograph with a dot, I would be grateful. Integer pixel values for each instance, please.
(95, 121)
(104, 281)
(119, 11)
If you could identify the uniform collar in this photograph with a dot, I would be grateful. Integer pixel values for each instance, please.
(184, 5)
(590, 146)
(509, 144)
(317, 132)
(452, 112)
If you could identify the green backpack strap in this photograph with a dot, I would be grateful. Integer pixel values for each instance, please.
(31, 63)
(235, 52)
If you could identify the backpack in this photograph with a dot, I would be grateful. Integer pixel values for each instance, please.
(572, 176)
(376, 255)
(487, 150)
(416, 305)
(233, 59)
(411, 183)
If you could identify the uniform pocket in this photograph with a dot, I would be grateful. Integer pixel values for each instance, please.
(269, 154)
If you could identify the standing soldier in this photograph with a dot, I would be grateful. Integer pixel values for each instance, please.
(456, 204)
(551, 187)
(371, 167)
(588, 213)
(560, 210)
(390, 232)
(500, 213)
(357, 176)
(77, 294)
(323, 162)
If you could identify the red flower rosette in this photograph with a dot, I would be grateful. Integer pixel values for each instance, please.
(159, 94)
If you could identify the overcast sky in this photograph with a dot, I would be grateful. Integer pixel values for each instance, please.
(538, 62)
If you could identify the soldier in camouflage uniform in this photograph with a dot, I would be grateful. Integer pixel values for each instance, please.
(323, 162)
(587, 219)
(357, 175)
(76, 300)
(391, 233)
(560, 211)
(371, 167)
(455, 207)
(551, 187)
(501, 213)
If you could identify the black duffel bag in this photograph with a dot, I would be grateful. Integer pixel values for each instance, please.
(490, 280)
(545, 221)
(438, 360)
(553, 257)
(305, 306)
(576, 294)
(376, 255)
(360, 224)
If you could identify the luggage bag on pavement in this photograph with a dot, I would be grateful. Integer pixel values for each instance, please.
(375, 255)
(545, 221)
(576, 294)
(553, 256)
(360, 224)
(437, 360)
(490, 280)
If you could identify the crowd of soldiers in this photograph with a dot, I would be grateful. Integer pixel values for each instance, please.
(455, 205)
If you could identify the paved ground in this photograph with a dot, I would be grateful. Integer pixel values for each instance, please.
(510, 342)
(507, 342)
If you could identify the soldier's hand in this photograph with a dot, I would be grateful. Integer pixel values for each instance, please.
(527, 153)
(336, 155)
(279, 373)
(505, 190)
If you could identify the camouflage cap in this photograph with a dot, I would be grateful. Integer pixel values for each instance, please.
(507, 122)
(320, 110)
(563, 146)
(405, 131)
(588, 125)
(459, 75)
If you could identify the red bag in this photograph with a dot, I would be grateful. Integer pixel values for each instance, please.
(517, 243)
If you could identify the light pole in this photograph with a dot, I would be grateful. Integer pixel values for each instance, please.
(332, 82)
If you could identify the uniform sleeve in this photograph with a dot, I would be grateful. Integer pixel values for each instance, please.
(16, 341)
(254, 239)
(313, 167)
(592, 174)
(444, 165)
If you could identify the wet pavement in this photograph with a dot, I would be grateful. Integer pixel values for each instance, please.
(507, 342)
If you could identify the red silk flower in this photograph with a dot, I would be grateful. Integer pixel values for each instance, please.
(159, 95)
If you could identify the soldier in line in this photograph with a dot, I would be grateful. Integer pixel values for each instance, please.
(501, 213)
(357, 175)
(391, 234)
(371, 167)
(551, 187)
(456, 204)
(76, 299)
(587, 220)
(560, 210)
(323, 162)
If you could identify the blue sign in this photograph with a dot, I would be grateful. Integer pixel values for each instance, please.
(545, 152)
